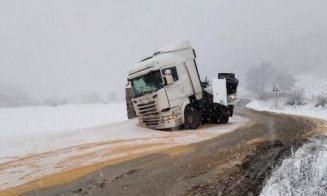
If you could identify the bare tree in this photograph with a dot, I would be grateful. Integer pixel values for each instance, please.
(261, 79)
(283, 80)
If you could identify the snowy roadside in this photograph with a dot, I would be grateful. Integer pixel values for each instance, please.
(309, 88)
(304, 173)
(39, 129)
(308, 110)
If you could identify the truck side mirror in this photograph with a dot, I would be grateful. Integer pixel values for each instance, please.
(168, 77)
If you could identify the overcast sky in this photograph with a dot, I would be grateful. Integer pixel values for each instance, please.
(67, 47)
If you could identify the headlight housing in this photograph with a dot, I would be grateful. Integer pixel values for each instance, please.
(232, 97)
(169, 117)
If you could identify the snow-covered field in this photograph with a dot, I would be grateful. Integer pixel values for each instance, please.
(28, 130)
(28, 121)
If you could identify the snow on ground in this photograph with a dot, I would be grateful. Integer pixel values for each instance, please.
(304, 110)
(305, 172)
(110, 142)
(312, 86)
(39, 141)
(28, 121)
(28, 130)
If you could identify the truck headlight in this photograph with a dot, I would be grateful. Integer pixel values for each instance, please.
(169, 117)
(232, 97)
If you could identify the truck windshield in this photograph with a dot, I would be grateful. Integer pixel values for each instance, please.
(148, 83)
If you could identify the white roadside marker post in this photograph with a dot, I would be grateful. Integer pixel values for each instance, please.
(275, 89)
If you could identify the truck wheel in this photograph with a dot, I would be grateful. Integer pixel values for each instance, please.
(231, 110)
(192, 118)
(224, 117)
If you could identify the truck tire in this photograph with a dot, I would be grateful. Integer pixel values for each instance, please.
(192, 117)
(224, 117)
(231, 110)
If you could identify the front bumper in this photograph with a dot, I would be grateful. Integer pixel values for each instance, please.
(150, 113)
(164, 124)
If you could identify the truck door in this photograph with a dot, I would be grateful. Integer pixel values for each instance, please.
(219, 91)
(173, 90)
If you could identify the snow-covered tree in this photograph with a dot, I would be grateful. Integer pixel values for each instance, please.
(296, 97)
(321, 100)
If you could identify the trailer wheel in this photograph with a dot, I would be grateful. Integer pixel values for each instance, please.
(224, 117)
(192, 118)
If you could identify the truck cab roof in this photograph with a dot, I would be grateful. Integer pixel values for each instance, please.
(164, 56)
(154, 63)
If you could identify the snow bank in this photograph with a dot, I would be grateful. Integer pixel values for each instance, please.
(304, 173)
(304, 110)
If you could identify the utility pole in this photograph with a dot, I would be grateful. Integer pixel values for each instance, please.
(275, 89)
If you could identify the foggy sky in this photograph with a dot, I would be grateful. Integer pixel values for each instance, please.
(67, 47)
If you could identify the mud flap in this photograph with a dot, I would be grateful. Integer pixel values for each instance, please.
(219, 91)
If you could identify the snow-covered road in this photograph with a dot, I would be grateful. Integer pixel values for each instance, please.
(46, 154)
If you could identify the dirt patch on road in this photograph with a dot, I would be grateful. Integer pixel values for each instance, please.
(248, 177)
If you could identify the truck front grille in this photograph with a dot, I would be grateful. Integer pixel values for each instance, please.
(149, 113)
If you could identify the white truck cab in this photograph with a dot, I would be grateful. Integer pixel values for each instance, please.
(167, 90)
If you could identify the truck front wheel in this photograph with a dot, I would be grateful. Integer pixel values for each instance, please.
(192, 118)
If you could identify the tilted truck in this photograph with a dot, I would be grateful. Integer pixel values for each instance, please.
(167, 91)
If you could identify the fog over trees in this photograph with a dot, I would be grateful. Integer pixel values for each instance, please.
(261, 80)
(14, 97)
